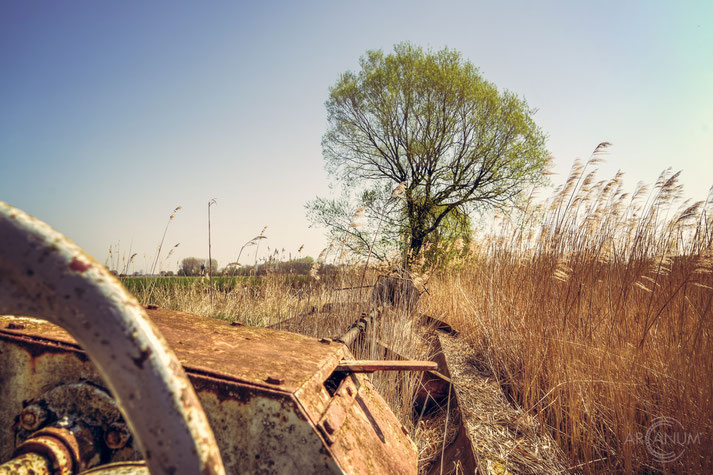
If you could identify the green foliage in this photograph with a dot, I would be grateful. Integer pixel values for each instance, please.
(379, 230)
(300, 266)
(450, 242)
(194, 266)
(429, 120)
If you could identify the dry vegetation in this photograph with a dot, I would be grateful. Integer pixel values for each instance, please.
(593, 311)
(595, 314)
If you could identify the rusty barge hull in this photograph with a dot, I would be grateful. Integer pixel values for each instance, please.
(274, 399)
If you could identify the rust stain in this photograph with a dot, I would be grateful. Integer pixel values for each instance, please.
(56, 444)
(370, 439)
(217, 348)
(143, 356)
(36, 346)
(226, 390)
(30, 463)
(369, 366)
(79, 266)
(242, 353)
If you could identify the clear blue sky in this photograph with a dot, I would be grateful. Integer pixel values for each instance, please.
(114, 113)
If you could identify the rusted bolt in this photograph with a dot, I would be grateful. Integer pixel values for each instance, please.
(326, 341)
(32, 417)
(274, 380)
(15, 326)
(117, 436)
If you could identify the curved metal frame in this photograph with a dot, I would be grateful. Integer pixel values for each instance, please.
(44, 275)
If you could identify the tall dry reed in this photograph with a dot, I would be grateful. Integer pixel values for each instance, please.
(594, 312)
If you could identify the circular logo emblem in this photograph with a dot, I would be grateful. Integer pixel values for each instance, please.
(665, 439)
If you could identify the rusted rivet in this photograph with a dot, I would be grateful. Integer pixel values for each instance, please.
(32, 417)
(15, 326)
(274, 380)
(117, 436)
(325, 340)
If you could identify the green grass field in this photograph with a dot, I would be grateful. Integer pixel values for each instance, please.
(138, 285)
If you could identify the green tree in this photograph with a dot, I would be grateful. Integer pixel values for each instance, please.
(192, 266)
(429, 121)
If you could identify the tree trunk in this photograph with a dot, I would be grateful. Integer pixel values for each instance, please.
(415, 245)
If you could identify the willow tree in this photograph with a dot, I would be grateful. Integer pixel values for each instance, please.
(428, 120)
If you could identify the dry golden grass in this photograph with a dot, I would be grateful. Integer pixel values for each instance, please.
(595, 314)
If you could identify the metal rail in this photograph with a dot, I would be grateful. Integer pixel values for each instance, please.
(369, 366)
(358, 327)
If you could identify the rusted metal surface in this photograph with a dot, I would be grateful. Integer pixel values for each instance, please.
(92, 416)
(369, 366)
(433, 395)
(117, 436)
(459, 454)
(119, 468)
(433, 388)
(391, 450)
(358, 328)
(28, 368)
(27, 464)
(43, 274)
(247, 354)
(215, 347)
(261, 430)
(57, 445)
(313, 395)
(333, 418)
(259, 426)
(32, 417)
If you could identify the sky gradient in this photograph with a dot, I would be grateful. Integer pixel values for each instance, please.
(114, 113)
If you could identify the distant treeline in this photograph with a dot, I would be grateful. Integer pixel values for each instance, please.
(194, 266)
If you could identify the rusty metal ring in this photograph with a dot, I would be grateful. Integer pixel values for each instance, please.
(44, 275)
(56, 444)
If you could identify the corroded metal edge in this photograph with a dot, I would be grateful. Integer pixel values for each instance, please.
(459, 455)
(43, 274)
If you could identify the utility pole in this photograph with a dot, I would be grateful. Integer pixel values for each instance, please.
(210, 257)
